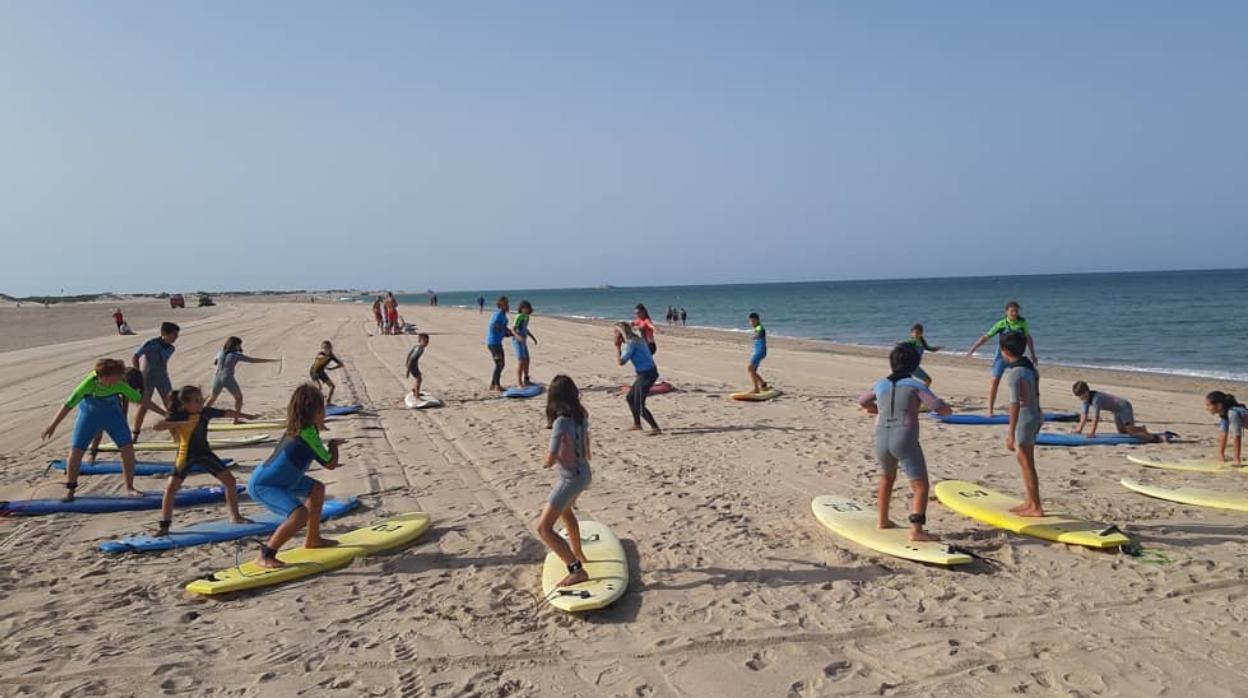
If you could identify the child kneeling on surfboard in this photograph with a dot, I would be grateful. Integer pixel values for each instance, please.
(569, 452)
(895, 400)
(188, 420)
(1124, 413)
(281, 484)
(1023, 382)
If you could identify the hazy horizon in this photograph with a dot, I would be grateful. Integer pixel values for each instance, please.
(557, 145)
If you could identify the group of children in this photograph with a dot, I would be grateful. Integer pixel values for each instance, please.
(520, 334)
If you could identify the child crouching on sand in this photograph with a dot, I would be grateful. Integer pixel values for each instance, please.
(1233, 416)
(896, 401)
(569, 453)
(281, 483)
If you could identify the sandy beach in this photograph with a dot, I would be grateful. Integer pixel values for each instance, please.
(735, 588)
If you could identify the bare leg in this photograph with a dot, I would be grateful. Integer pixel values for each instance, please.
(329, 399)
(285, 532)
(918, 505)
(992, 395)
(166, 504)
(238, 403)
(1031, 482)
(127, 469)
(416, 387)
(212, 399)
(545, 529)
(885, 497)
(231, 497)
(316, 500)
(574, 532)
(71, 472)
(754, 379)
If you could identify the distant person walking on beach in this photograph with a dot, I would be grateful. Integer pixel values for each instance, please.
(919, 342)
(319, 373)
(684, 317)
(897, 435)
(381, 324)
(1026, 418)
(1012, 323)
(152, 358)
(633, 348)
(645, 326)
(1233, 417)
(520, 336)
(480, 304)
(120, 320)
(494, 336)
(569, 454)
(227, 361)
(760, 353)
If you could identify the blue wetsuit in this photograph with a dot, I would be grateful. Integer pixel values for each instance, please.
(280, 483)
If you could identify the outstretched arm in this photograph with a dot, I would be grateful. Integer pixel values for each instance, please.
(60, 415)
(975, 347)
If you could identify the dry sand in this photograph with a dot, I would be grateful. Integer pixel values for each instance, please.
(736, 589)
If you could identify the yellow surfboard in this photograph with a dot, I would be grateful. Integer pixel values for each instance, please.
(1190, 495)
(216, 445)
(303, 562)
(993, 508)
(245, 426)
(859, 524)
(750, 396)
(607, 568)
(1190, 465)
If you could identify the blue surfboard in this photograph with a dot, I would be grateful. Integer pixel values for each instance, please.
(106, 505)
(983, 419)
(525, 392)
(1050, 438)
(342, 410)
(142, 467)
(218, 531)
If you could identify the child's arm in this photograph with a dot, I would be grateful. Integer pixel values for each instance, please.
(934, 403)
(1222, 447)
(1239, 442)
(867, 402)
(235, 414)
(60, 415)
(532, 336)
(254, 360)
(1009, 436)
(589, 455)
(1031, 344)
(978, 343)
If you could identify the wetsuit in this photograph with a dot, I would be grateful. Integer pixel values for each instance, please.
(494, 342)
(155, 354)
(920, 345)
(1124, 413)
(100, 410)
(568, 444)
(280, 483)
(760, 345)
(636, 351)
(224, 379)
(1024, 385)
(520, 336)
(413, 361)
(319, 366)
(193, 448)
(1235, 420)
(1005, 326)
(897, 425)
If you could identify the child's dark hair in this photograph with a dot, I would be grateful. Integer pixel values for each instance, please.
(105, 368)
(903, 359)
(134, 378)
(1014, 305)
(501, 300)
(1225, 402)
(306, 404)
(563, 399)
(641, 308)
(917, 327)
(169, 328)
(178, 398)
(1014, 342)
(1080, 389)
(754, 316)
(233, 344)
(525, 304)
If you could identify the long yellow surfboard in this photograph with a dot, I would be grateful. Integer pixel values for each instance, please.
(303, 562)
(1190, 465)
(1194, 496)
(993, 508)
(216, 445)
(607, 568)
(245, 426)
(859, 524)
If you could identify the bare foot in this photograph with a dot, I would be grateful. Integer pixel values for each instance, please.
(135, 493)
(241, 520)
(1029, 511)
(887, 524)
(269, 563)
(576, 577)
(923, 536)
(321, 542)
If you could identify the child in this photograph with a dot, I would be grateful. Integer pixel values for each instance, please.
(897, 435)
(760, 353)
(632, 348)
(919, 342)
(281, 483)
(120, 320)
(569, 450)
(1025, 418)
(377, 315)
(152, 358)
(645, 325)
(413, 362)
(227, 359)
(1012, 323)
(1234, 416)
(133, 378)
(320, 368)
(494, 336)
(98, 411)
(1124, 414)
(188, 420)
(520, 335)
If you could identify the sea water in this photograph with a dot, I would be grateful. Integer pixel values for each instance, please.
(1185, 322)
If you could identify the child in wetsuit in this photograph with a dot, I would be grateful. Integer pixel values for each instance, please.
(227, 360)
(1124, 413)
(134, 379)
(413, 362)
(1012, 323)
(152, 358)
(281, 483)
(760, 353)
(321, 366)
(896, 400)
(919, 342)
(569, 454)
(1232, 416)
(188, 420)
(520, 336)
(1026, 418)
(494, 336)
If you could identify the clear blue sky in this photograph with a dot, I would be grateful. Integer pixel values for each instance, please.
(462, 145)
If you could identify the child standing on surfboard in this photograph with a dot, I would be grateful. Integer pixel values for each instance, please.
(1012, 323)
(152, 358)
(281, 483)
(133, 378)
(919, 342)
(99, 411)
(321, 366)
(227, 361)
(1023, 382)
(1233, 416)
(760, 353)
(896, 400)
(188, 420)
(569, 454)
(413, 362)
(520, 336)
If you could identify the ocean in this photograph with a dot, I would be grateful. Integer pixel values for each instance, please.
(1185, 322)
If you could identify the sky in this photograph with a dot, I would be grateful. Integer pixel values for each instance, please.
(176, 146)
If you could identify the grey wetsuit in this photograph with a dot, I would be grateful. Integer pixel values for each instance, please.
(897, 426)
(1024, 387)
(568, 444)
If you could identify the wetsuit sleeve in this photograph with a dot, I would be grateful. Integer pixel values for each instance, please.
(144, 348)
(1096, 407)
(246, 359)
(1086, 407)
(335, 359)
(1235, 422)
(1224, 424)
(312, 438)
(867, 398)
(128, 392)
(927, 397)
(626, 352)
(996, 329)
(1014, 379)
(926, 346)
(85, 387)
